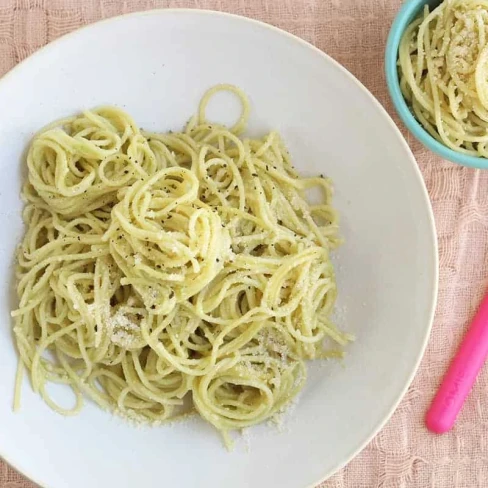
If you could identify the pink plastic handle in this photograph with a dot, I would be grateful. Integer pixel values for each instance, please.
(461, 374)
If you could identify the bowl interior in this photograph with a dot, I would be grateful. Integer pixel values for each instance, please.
(413, 8)
(408, 12)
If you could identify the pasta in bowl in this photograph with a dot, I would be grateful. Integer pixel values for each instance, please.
(158, 267)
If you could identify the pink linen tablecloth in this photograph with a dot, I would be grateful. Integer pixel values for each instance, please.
(354, 32)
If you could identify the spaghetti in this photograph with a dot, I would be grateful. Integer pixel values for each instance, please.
(157, 268)
(442, 62)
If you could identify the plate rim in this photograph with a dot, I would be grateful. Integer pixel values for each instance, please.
(434, 251)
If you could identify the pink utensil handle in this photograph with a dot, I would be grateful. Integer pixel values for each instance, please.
(461, 374)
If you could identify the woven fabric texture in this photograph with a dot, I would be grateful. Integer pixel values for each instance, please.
(404, 454)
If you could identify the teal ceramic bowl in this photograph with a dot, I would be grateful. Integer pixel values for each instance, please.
(410, 10)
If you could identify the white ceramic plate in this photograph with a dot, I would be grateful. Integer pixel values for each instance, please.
(156, 65)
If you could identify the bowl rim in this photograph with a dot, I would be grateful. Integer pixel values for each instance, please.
(400, 23)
